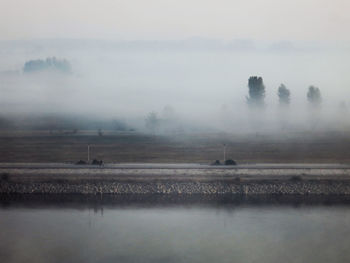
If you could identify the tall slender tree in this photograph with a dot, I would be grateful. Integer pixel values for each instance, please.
(256, 96)
(283, 95)
(314, 96)
(152, 122)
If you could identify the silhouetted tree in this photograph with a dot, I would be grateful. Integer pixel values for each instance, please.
(60, 65)
(342, 116)
(283, 95)
(152, 122)
(256, 92)
(314, 96)
(343, 108)
(120, 125)
(168, 112)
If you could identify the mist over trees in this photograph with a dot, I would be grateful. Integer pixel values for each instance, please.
(168, 113)
(152, 122)
(283, 95)
(54, 64)
(254, 111)
(256, 92)
(314, 96)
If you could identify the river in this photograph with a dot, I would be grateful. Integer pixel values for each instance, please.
(174, 229)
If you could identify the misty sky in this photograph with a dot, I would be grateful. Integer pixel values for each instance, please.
(295, 20)
(132, 57)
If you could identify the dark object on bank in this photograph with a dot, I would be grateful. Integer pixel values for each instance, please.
(230, 162)
(217, 162)
(97, 162)
(4, 177)
(296, 178)
(81, 162)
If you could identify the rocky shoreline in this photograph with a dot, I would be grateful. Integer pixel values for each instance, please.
(167, 179)
(285, 187)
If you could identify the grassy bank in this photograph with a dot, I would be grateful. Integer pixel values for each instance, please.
(113, 147)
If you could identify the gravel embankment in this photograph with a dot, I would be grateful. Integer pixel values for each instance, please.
(175, 187)
(238, 180)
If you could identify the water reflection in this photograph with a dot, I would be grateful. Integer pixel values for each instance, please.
(97, 202)
(160, 228)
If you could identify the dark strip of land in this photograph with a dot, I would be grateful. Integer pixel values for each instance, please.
(132, 147)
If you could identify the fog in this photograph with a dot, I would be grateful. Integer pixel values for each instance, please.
(195, 84)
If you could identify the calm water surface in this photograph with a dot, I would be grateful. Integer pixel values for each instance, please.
(76, 230)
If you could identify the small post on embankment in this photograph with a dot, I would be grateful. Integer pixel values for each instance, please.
(224, 152)
(88, 153)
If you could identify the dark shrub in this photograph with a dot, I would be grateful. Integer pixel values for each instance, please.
(97, 162)
(230, 162)
(59, 181)
(217, 162)
(81, 162)
(296, 178)
(4, 177)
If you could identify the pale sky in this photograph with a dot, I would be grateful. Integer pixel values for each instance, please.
(295, 20)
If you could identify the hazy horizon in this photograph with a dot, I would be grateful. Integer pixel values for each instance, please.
(130, 58)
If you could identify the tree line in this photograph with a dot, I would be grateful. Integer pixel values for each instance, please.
(256, 94)
(59, 65)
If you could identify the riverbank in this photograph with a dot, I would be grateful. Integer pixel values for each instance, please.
(98, 202)
(175, 179)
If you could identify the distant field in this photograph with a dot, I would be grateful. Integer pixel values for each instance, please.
(113, 147)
